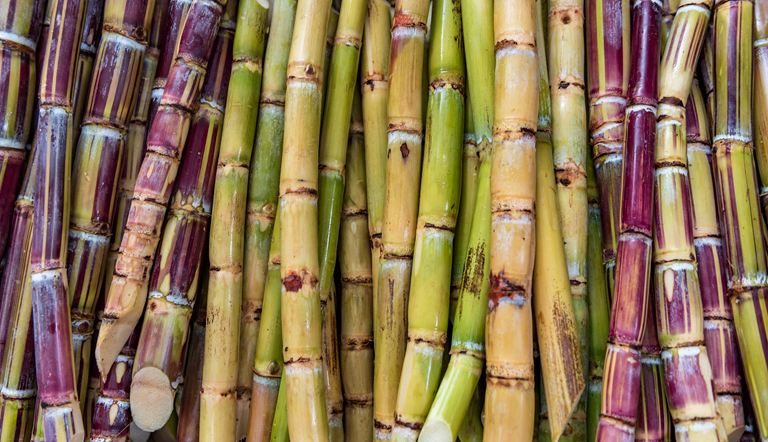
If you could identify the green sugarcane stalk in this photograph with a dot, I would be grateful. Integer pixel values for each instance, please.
(280, 423)
(261, 210)
(224, 414)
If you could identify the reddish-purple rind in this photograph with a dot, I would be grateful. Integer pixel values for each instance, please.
(57, 79)
(16, 263)
(644, 75)
(94, 12)
(130, 18)
(612, 47)
(637, 188)
(36, 17)
(84, 285)
(614, 431)
(632, 283)
(712, 279)
(609, 186)
(22, 78)
(194, 44)
(720, 340)
(189, 191)
(677, 306)
(687, 386)
(106, 152)
(653, 422)
(12, 162)
(177, 10)
(620, 398)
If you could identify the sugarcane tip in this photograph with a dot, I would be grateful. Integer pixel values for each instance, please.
(151, 399)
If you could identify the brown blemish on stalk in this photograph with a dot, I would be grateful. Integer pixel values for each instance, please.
(404, 150)
(273, 102)
(567, 175)
(382, 426)
(412, 425)
(662, 164)
(672, 100)
(437, 227)
(358, 403)
(356, 343)
(348, 40)
(445, 84)
(357, 280)
(566, 344)
(302, 191)
(326, 168)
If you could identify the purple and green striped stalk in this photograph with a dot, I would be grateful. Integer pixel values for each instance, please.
(188, 406)
(89, 43)
(608, 29)
(97, 163)
(261, 279)
(622, 368)
(257, 351)
(227, 379)
(719, 333)
(112, 414)
(654, 424)
(173, 288)
(706, 76)
(736, 178)
(61, 418)
(17, 369)
(154, 184)
(761, 98)
(687, 371)
(20, 25)
(668, 11)
(168, 39)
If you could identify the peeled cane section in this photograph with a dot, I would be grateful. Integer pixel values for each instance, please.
(176, 275)
(20, 26)
(403, 171)
(743, 226)
(608, 48)
(622, 368)
(301, 314)
(509, 324)
(719, 332)
(155, 182)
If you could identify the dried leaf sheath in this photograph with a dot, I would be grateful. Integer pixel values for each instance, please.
(225, 401)
(299, 267)
(622, 368)
(608, 47)
(509, 323)
(20, 25)
(97, 165)
(60, 415)
(719, 332)
(175, 279)
(154, 184)
(743, 227)
(404, 150)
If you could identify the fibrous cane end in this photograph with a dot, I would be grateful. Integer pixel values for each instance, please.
(151, 399)
(436, 430)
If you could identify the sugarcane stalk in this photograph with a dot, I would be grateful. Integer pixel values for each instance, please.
(268, 365)
(750, 426)
(622, 360)
(261, 211)
(356, 351)
(668, 11)
(188, 406)
(112, 416)
(280, 423)
(89, 44)
(608, 30)
(339, 85)
(299, 267)
(654, 424)
(403, 169)
(374, 80)
(760, 98)
(225, 407)
(687, 371)
(334, 397)
(155, 182)
(60, 415)
(719, 332)
(598, 298)
(169, 33)
(478, 127)
(509, 322)
(99, 153)
(451, 408)
(173, 288)
(555, 309)
(471, 429)
(20, 28)
(736, 178)
(706, 76)
(440, 194)
(333, 23)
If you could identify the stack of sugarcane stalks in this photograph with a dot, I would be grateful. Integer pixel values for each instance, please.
(359, 220)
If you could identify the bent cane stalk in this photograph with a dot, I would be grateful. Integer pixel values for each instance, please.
(743, 227)
(375, 89)
(687, 371)
(719, 332)
(509, 322)
(261, 209)
(429, 303)
(111, 101)
(299, 268)
(404, 150)
(261, 212)
(622, 366)
(356, 290)
(20, 26)
(173, 289)
(225, 401)
(608, 47)
(61, 418)
(155, 182)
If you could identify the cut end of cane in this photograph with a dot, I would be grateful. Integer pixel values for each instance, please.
(151, 399)
(113, 335)
(559, 421)
(436, 430)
